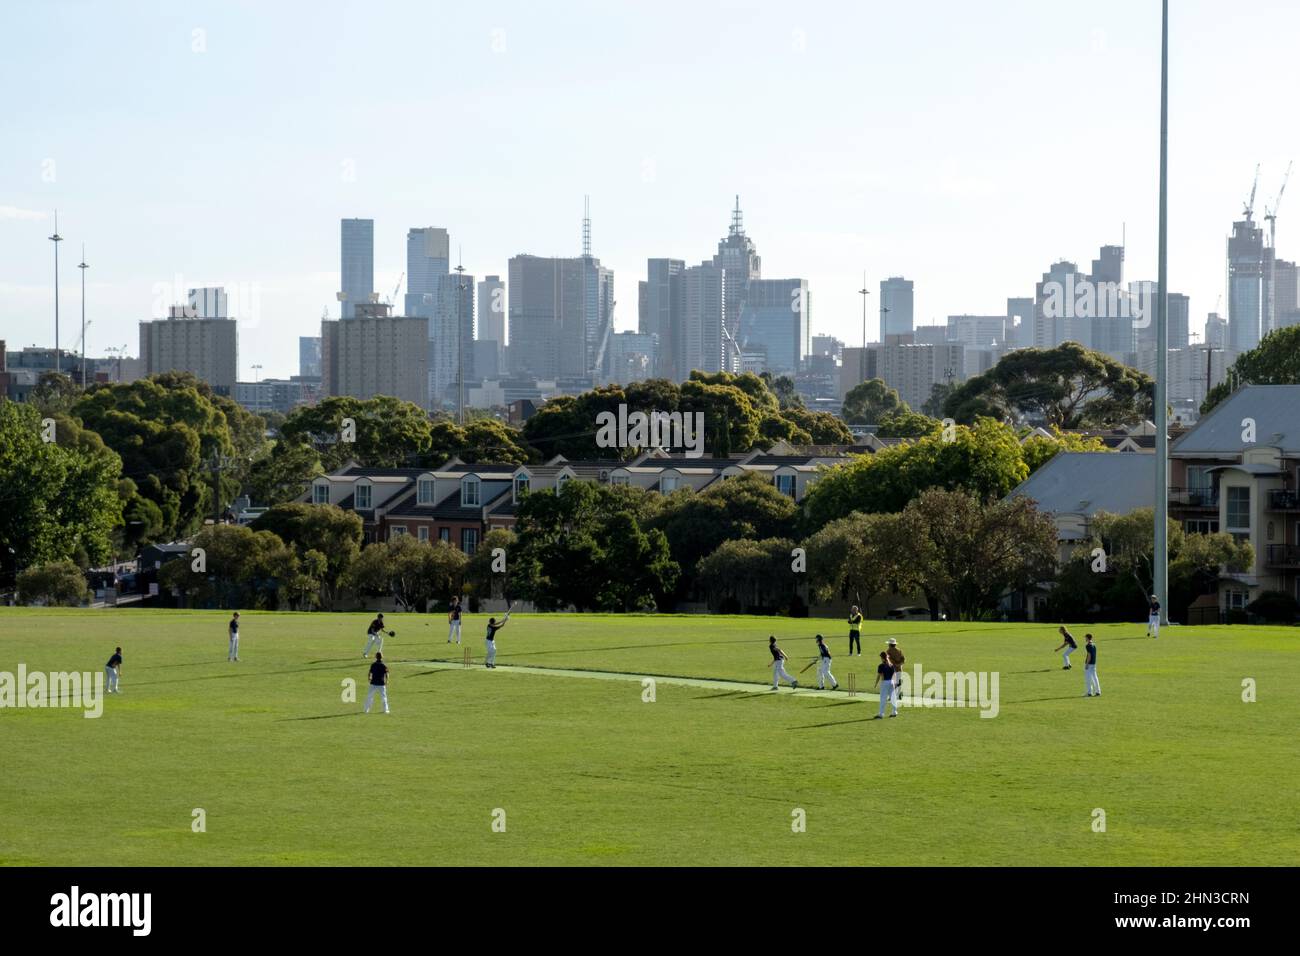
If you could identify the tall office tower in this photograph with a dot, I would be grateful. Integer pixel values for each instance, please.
(1109, 265)
(357, 264)
(309, 356)
(738, 259)
(859, 365)
(774, 319)
(184, 342)
(1020, 322)
(1286, 290)
(642, 303)
(492, 310)
(827, 345)
(1105, 315)
(927, 335)
(1179, 320)
(451, 339)
(704, 344)
(663, 315)
(560, 313)
(1245, 285)
(631, 357)
(1216, 331)
(376, 353)
(428, 262)
(1054, 305)
(208, 303)
(974, 331)
(896, 307)
(913, 370)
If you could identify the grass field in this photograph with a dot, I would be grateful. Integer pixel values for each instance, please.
(287, 773)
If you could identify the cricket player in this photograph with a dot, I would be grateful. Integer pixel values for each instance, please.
(453, 620)
(234, 638)
(896, 659)
(1091, 686)
(1067, 644)
(1153, 618)
(778, 665)
(492, 628)
(885, 681)
(855, 630)
(113, 671)
(375, 635)
(378, 682)
(824, 666)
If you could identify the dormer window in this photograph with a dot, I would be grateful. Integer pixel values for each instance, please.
(560, 482)
(522, 483)
(424, 491)
(785, 484)
(619, 480)
(363, 498)
(470, 496)
(320, 493)
(668, 483)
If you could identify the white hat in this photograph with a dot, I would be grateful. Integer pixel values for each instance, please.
(891, 641)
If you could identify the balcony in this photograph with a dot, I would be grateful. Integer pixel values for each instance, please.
(1283, 501)
(1207, 498)
(1283, 556)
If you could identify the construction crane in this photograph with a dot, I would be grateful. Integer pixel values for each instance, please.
(76, 346)
(1250, 203)
(396, 289)
(1270, 215)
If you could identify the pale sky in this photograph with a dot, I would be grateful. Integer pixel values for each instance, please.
(965, 146)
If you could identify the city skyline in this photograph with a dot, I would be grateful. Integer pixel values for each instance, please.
(970, 226)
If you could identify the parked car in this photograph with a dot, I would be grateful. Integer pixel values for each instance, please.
(908, 614)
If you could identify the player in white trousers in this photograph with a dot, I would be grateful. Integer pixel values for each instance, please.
(824, 666)
(375, 635)
(113, 671)
(234, 638)
(1091, 685)
(778, 666)
(453, 620)
(1067, 647)
(885, 680)
(492, 627)
(1153, 618)
(378, 682)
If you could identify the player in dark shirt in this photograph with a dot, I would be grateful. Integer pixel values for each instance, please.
(233, 655)
(1091, 685)
(378, 682)
(885, 681)
(113, 671)
(824, 665)
(453, 620)
(493, 626)
(375, 635)
(1067, 642)
(778, 665)
(1153, 617)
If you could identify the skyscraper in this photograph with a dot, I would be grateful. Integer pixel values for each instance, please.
(663, 314)
(740, 264)
(704, 344)
(492, 310)
(428, 261)
(1245, 285)
(774, 318)
(357, 264)
(309, 356)
(896, 307)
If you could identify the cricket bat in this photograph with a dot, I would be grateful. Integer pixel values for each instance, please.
(809, 664)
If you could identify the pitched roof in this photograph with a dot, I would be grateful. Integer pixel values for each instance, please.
(1086, 482)
(1274, 408)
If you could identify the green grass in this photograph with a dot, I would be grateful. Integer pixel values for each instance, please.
(589, 774)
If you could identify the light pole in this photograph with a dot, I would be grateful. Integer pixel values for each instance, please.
(83, 267)
(862, 358)
(1160, 583)
(56, 239)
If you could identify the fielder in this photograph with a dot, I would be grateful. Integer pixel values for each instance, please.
(885, 681)
(778, 665)
(453, 621)
(113, 671)
(1090, 682)
(492, 627)
(1067, 643)
(375, 635)
(234, 638)
(1153, 618)
(855, 630)
(896, 659)
(378, 682)
(824, 666)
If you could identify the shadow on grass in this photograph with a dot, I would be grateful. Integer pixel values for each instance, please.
(836, 723)
(351, 713)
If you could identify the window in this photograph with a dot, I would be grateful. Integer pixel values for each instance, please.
(1239, 510)
(424, 532)
(444, 534)
(785, 484)
(396, 531)
(469, 540)
(621, 480)
(469, 492)
(362, 501)
(560, 482)
(1237, 600)
(1201, 526)
(669, 483)
(320, 494)
(521, 486)
(1198, 478)
(424, 491)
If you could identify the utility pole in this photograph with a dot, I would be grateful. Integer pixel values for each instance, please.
(862, 359)
(1161, 574)
(56, 239)
(83, 267)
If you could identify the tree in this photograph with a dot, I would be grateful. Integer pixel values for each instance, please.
(1275, 607)
(1038, 450)
(1067, 386)
(969, 553)
(481, 440)
(855, 557)
(731, 419)
(868, 402)
(823, 428)
(783, 387)
(283, 474)
(748, 576)
(776, 427)
(56, 584)
(939, 392)
(55, 394)
(1274, 361)
(386, 432)
(238, 567)
(330, 531)
(414, 572)
(754, 387)
(480, 573)
(61, 497)
(905, 423)
(986, 460)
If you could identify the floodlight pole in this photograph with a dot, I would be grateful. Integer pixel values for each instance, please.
(1160, 584)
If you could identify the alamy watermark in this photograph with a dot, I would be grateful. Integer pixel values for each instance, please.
(1083, 298)
(651, 430)
(84, 689)
(924, 688)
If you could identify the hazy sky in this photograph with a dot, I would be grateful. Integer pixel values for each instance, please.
(963, 145)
